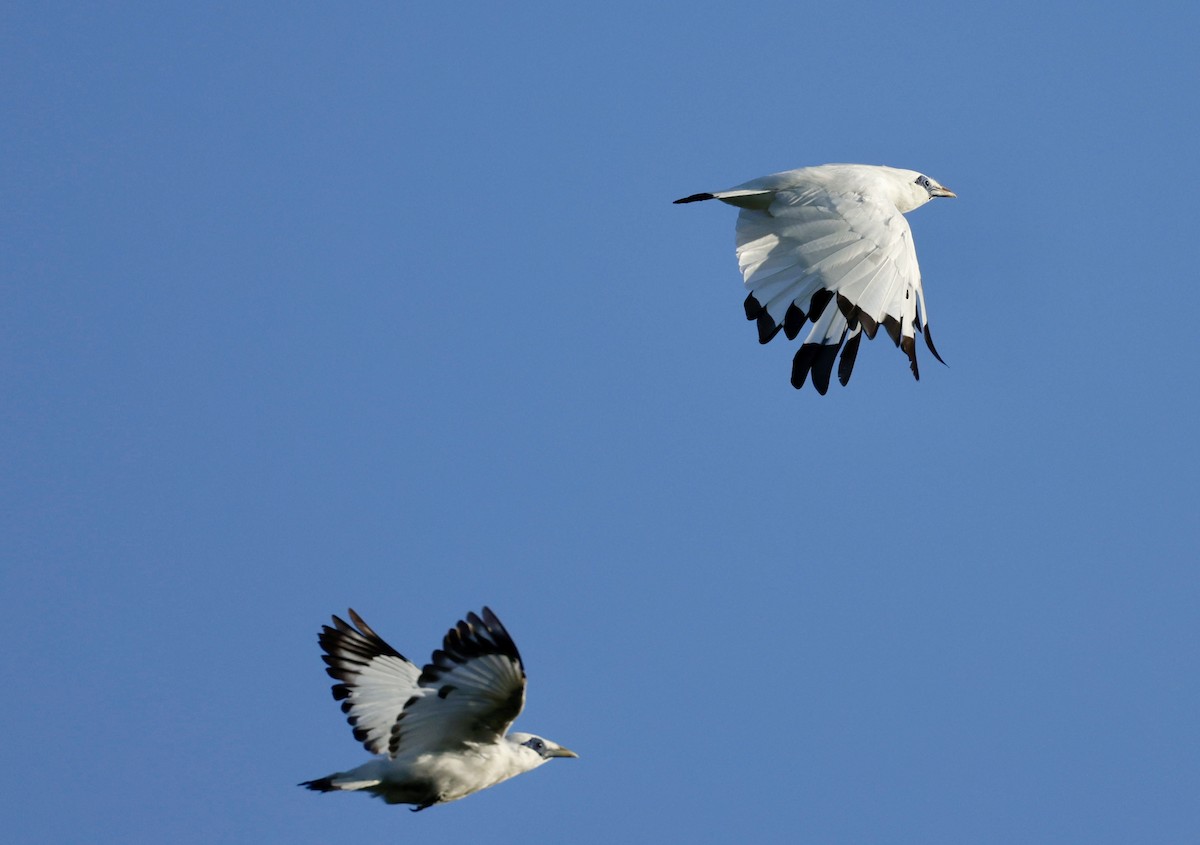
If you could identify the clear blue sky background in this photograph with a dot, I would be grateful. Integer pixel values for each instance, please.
(309, 306)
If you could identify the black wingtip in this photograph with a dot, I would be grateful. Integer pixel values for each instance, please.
(816, 305)
(868, 324)
(822, 368)
(767, 328)
(849, 353)
(694, 198)
(909, 346)
(753, 307)
(892, 325)
(361, 625)
(932, 348)
(793, 321)
(802, 363)
(469, 638)
(849, 310)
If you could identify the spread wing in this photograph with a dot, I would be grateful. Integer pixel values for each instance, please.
(808, 249)
(472, 690)
(375, 680)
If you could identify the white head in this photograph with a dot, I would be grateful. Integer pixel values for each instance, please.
(536, 749)
(914, 189)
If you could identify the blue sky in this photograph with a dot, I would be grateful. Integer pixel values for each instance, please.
(308, 307)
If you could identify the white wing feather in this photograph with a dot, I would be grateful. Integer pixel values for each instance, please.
(804, 242)
(376, 680)
(471, 691)
(828, 239)
(473, 702)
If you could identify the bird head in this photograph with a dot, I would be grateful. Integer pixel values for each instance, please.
(932, 187)
(909, 189)
(544, 748)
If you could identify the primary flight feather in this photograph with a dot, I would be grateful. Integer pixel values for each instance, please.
(832, 235)
(441, 732)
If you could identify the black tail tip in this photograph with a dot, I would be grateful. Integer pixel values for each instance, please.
(319, 785)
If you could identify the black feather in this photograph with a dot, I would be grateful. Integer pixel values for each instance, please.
(893, 328)
(849, 353)
(816, 305)
(822, 368)
(793, 321)
(802, 363)
(929, 343)
(849, 310)
(909, 346)
(868, 323)
(766, 327)
(324, 784)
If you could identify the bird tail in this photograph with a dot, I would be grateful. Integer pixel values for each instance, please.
(331, 783)
(324, 784)
(754, 198)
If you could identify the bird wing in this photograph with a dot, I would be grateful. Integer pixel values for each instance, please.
(472, 690)
(810, 247)
(376, 680)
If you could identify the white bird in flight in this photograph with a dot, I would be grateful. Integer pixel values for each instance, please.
(833, 233)
(441, 731)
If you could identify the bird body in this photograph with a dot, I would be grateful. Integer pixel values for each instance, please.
(431, 778)
(832, 233)
(441, 732)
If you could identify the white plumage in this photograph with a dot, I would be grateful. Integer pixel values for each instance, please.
(441, 731)
(832, 233)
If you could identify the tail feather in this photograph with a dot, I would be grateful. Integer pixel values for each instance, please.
(752, 198)
(324, 784)
(334, 783)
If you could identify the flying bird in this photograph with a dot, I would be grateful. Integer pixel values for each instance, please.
(833, 234)
(441, 732)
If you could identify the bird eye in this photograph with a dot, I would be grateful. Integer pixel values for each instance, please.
(923, 181)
